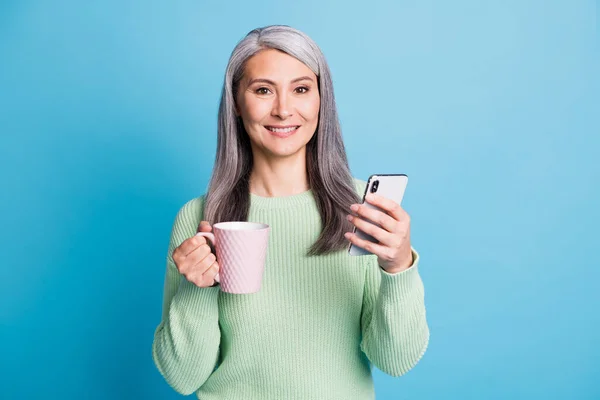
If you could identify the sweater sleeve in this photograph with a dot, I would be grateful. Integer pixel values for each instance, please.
(186, 342)
(395, 334)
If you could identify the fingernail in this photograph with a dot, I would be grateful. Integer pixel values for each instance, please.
(349, 217)
(347, 235)
(354, 207)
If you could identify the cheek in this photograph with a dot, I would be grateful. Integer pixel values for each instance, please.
(254, 111)
(310, 110)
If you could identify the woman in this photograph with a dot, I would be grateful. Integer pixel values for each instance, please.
(322, 317)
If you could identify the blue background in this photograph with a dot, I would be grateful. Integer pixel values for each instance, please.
(108, 125)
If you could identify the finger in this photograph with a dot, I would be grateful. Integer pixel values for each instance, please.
(205, 279)
(371, 247)
(195, 257)
(202, 266)
(211, 272)
(204, 226)
(191, 244)
(384, 237)
(378, 217)
(388, 205)
(197, 279)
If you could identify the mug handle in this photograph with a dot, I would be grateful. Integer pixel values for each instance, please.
(212, 239)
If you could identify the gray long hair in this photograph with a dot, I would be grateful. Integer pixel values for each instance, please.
(228, 196)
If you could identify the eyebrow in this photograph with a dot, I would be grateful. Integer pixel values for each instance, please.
(270, 82)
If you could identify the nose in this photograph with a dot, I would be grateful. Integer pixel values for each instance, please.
(282, 107)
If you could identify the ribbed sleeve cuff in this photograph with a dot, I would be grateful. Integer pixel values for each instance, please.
(400, 283)
(197, 298)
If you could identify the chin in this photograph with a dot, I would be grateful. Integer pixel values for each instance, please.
(285, 154)
(285, 151)
(285, 147)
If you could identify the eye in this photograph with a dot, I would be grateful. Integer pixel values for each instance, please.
(302, 89)
(262, 90)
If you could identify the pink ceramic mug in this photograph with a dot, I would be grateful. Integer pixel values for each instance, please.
(241, 249)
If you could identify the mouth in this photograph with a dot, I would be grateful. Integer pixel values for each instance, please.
(282, 131)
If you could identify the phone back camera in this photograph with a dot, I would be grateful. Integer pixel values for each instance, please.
(375, 186)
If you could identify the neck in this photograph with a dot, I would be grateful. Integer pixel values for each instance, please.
(278, 177)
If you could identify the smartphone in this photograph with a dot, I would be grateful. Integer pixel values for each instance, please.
(391, 186)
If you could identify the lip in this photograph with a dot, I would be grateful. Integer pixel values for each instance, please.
(282, 134)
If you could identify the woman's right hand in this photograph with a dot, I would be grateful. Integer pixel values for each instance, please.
(195, 260)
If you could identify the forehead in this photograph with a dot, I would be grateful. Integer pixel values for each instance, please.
(275, 65)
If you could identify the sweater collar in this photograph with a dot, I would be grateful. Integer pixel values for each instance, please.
(281, 201)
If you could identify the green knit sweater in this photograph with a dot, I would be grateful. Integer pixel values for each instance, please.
(312, 332)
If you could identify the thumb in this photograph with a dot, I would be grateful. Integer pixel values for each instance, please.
(204, 226)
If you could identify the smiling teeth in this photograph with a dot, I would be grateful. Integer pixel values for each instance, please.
(282, 130)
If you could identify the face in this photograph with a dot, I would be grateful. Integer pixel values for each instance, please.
(278, 101)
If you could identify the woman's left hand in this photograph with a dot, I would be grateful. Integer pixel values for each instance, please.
(394, 252)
